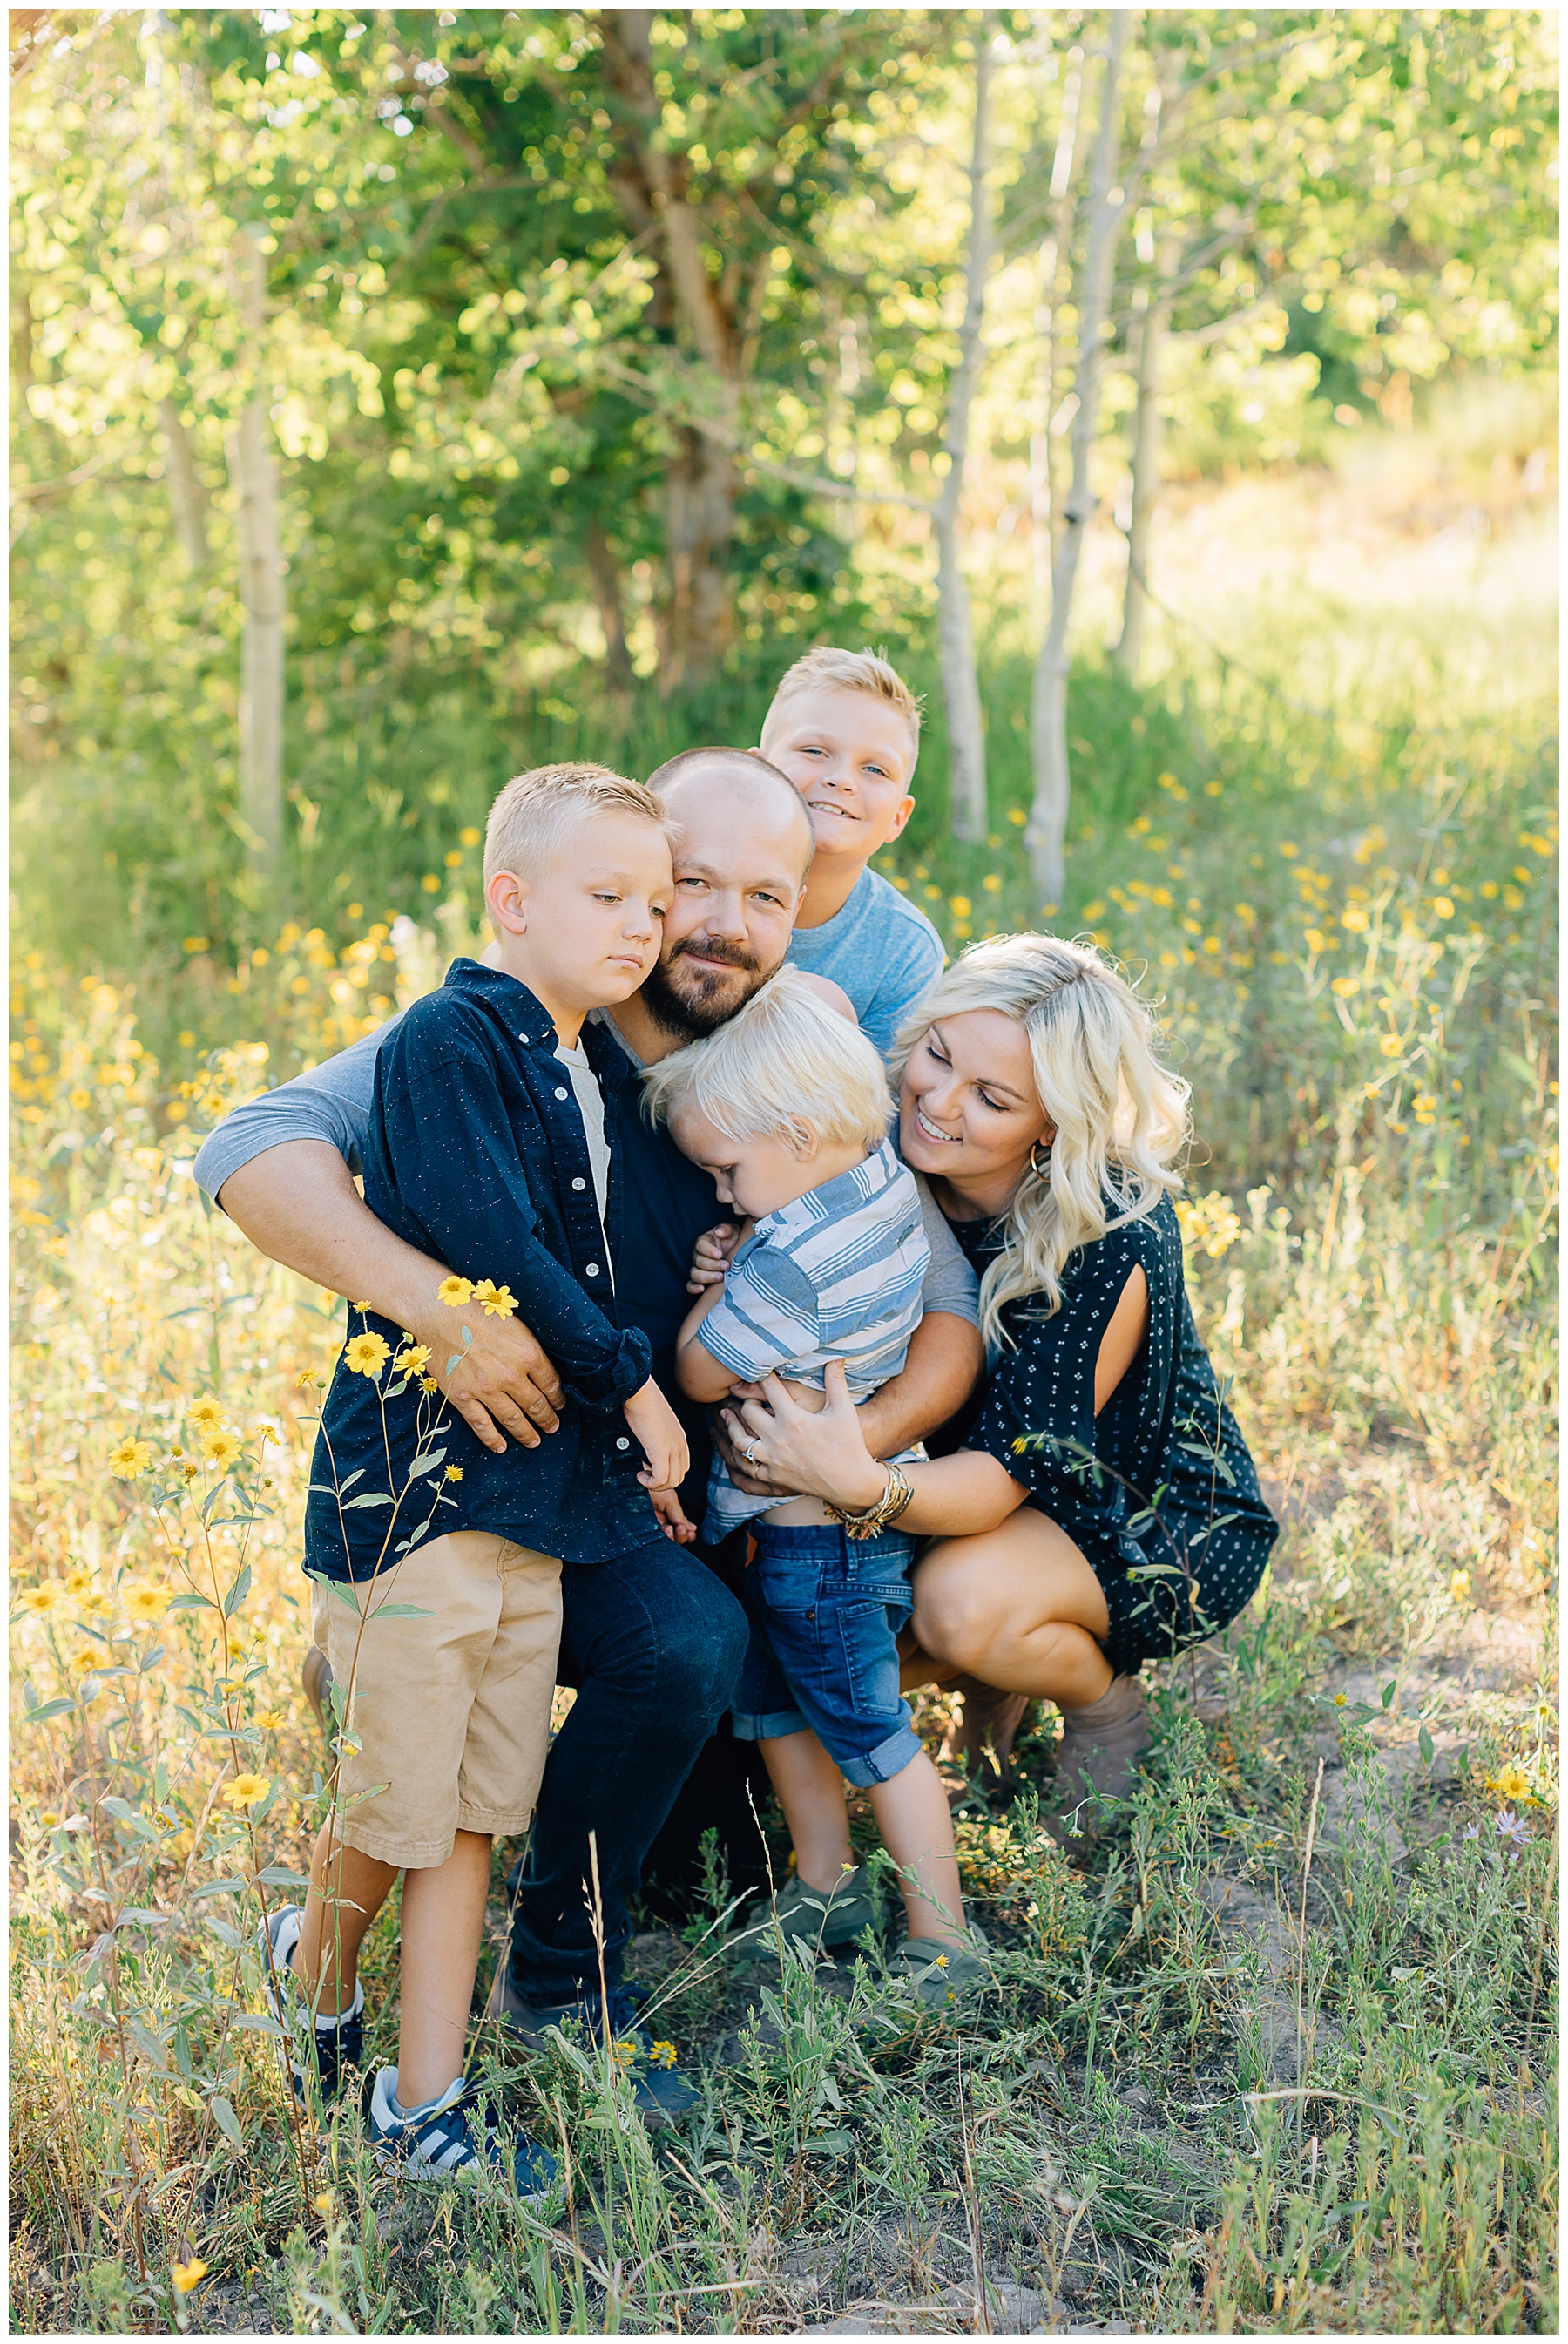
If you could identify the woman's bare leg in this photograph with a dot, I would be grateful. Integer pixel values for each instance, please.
(1018, 1607)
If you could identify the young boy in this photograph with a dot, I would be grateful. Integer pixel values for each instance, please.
(787, 1106)
(438, 1562)
(846, 729)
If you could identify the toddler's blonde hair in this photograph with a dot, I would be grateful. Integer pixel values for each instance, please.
(1121, 1116)
(786, 1066)
(869, 671)
(535, 812)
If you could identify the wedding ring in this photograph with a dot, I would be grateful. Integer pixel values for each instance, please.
(749, 1454)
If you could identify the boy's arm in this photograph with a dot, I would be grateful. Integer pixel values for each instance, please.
(462, 1182)
(700, 1375)
(282, 1168)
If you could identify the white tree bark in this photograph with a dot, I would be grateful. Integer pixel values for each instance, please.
(1046, 836)
(967, 794)
(262, 595)
(1042, 501)
(186, 496)
(1148, 440)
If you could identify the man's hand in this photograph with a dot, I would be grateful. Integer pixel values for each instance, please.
(658, 1428)
(500, 1381)
(297, 1204)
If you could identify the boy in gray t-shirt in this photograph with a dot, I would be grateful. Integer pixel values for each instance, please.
(846, 729)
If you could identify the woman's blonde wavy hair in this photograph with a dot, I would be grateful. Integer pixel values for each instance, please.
(1121, 1116)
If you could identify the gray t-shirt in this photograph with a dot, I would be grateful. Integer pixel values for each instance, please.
(882, 949)
(332, 1103)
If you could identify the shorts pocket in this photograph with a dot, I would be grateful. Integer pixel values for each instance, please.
(867, 1635)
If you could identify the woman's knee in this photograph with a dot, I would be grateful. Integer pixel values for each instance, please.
(956, 1619)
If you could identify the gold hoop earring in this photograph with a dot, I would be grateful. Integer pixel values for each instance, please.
(1040, 1171)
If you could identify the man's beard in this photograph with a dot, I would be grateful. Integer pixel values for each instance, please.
(708, 1001)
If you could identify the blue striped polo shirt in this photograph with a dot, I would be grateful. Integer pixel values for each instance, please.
(834, 1275)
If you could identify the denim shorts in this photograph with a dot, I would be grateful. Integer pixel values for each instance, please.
(825, 1613)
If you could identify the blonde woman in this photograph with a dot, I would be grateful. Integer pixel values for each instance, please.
(1098, 1507)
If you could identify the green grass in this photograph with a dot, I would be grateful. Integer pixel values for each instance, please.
(1279, 2053)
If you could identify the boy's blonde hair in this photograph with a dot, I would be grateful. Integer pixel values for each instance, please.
(785, 1067)
(535, 812)
(1121, 1116)
(869, 671)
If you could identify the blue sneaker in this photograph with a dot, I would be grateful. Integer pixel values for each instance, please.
(446, 2140)
(660, 2093)
(334, 2045)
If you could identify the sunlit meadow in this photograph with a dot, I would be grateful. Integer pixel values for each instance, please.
(1280, 2056)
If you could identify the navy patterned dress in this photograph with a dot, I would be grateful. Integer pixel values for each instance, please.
(1158, 1493)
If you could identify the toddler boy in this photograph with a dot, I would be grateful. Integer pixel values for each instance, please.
(787, 1106)
(438, 1562)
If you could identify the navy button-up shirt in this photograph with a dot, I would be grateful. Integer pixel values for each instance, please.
(476, 1154)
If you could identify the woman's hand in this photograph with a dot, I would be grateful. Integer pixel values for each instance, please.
(816, 1454)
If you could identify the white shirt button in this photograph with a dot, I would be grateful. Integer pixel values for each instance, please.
(623, 1444)
(522, 1037)
(561, 1095)
(579, 1184)
(593, 1269)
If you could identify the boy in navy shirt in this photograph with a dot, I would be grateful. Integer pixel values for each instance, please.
(438, 1562)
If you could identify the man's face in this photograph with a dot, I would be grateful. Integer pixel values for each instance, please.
(851, 756)
(739, 875)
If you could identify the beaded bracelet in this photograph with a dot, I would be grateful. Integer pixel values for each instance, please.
(874, 1519)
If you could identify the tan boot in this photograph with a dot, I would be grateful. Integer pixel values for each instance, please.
(986, 1733)
(1099, 1752)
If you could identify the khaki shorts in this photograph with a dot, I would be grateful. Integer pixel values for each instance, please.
(451, 1711)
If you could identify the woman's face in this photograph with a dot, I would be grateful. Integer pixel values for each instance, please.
(967, 1108)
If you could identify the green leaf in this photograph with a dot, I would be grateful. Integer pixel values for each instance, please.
(369, 1498)
(256, 2022)
(1426, 1745)
(400, 1612)
(224, 1931)
(1388, 1694)
(192, 1601)
(236, 1593)
(218, 1888)
(50, 1708)
(426, 1464)
(279, 1875)
(224, 2116)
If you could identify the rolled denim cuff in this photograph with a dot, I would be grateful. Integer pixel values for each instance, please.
(879, 1766)
(768, 1725)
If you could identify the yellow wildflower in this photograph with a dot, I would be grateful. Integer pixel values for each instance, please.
(94, 1604)
(270, 1718)
(1510, 1781)
(1391, 1046)
(961, 906)
(247, 1791)
(324, 2202)
(186, 2276)
(367, 1355)
(41, 1600)
(220, 1449)
(410, 1361)
(427, 1384)
(1459, 1586)
(1210, 1223)
(130, 1457)
(454, 1473)
(309, 1379)
(495, 1301)
(1345, 986)
(205, 1415)
(77, 1581)
(147, 1603)
(454, 1292)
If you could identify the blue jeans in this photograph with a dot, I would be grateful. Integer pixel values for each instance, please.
(653, 1643)
(826, 1611)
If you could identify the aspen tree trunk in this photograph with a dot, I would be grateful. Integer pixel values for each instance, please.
(1148, 440)
(1046, 836)
(261, 677)
(1042, 505)
(186, 496)
(967, 798)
